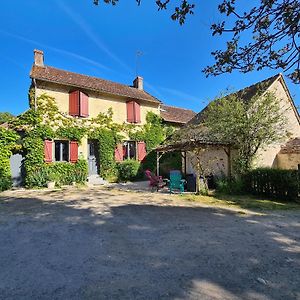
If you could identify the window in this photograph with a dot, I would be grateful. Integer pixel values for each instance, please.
(78, 104)
(61, 150)
(133, 112)
(129, 150)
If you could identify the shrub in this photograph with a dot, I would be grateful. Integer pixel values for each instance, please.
(128, 170)
(230, 185)
(275, 183)
(63, 173)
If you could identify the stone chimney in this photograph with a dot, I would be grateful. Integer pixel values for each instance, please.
(138, 83)
(38, 57)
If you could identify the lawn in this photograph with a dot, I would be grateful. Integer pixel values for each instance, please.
(244, 202)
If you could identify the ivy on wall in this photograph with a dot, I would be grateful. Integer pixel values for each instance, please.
(8, 140)
(44, 121)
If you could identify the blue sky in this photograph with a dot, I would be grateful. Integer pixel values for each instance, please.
(102, 41)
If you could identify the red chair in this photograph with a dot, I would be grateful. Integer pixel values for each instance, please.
(155, 181)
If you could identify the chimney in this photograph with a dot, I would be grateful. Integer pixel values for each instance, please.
(38, 57)
(138, 83)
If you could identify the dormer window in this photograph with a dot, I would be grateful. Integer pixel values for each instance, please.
(133, 112)
(78, 104)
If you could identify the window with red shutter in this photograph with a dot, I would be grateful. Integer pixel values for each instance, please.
(141, 149)
(137, 113)
(84, 105)
(48, 150)
(73, 152)
(130, 111)
(74, 103)
(119, 153)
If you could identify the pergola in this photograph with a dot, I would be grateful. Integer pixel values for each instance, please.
(190, 145)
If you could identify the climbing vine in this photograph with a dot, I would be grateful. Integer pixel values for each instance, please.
(8, 142)
(44, 121)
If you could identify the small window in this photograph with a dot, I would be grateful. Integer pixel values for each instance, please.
(61, 151)
(129, 149)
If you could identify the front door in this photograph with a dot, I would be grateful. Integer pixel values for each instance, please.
(93, 157)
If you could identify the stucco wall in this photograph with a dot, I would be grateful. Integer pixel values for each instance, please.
(267, 157)
(288, 161)
(214, 160)
(97, 103)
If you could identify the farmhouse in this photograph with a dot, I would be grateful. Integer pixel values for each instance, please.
(217, 157)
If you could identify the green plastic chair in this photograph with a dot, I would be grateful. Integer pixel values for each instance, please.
(176, 181)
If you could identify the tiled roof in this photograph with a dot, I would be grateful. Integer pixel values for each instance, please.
(58, 76)
(176, 114)
(291, 147)
(246, 94)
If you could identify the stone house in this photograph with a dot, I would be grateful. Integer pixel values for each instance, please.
(218, 157)
(82, 96)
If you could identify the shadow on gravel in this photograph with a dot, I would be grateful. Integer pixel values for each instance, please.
(52, 250)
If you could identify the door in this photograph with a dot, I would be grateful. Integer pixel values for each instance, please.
(16, 169)
(93, 157)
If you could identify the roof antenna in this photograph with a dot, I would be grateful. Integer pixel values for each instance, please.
(137, 61)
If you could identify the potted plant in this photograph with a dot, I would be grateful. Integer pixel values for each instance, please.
(52, 180)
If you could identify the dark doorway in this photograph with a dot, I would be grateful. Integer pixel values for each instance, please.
(93, 157)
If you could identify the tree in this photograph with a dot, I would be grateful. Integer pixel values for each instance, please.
(275, 29)
(183, 9)
(247, 125)
(273, 26)
(5, 117)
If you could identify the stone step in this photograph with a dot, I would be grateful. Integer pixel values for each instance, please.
(96, 180)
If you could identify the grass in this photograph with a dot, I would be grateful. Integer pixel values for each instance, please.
(244, 202)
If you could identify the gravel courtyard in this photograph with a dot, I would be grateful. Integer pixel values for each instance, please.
(112, 244)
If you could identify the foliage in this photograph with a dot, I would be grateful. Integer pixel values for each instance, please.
(5, 117)
(74, 133)
(274, 26)
(275, 183)
(246, 124)
(8, 140)
(107, 140)
(230, 185)
(128, 170)
(63, 173)
(153, 133)
(183, 9)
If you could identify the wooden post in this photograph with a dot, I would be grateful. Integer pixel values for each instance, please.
(157, 163)
(229, 162)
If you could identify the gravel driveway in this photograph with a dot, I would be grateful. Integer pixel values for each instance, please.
(109, 244)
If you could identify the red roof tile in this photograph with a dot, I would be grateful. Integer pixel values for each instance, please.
(54, 75)
(176, 114)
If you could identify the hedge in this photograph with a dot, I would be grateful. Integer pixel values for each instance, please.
(274, 183)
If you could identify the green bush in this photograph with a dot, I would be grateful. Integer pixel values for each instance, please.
(274, 183)
(8, 140)
(128, 170)
(63, 173)
(230, 185)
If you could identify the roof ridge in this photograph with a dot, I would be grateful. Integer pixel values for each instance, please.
(85, 75)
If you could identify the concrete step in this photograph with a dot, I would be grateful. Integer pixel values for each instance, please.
(96, 180)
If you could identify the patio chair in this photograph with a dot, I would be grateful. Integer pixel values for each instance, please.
(155, 181)
(176, 181)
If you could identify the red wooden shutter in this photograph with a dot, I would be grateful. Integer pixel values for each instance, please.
(141, 149)
(48, 151)
(137, 113)
(73, 151)
(119, 152)
(84, 105)
(130, 111)
(74, 103)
